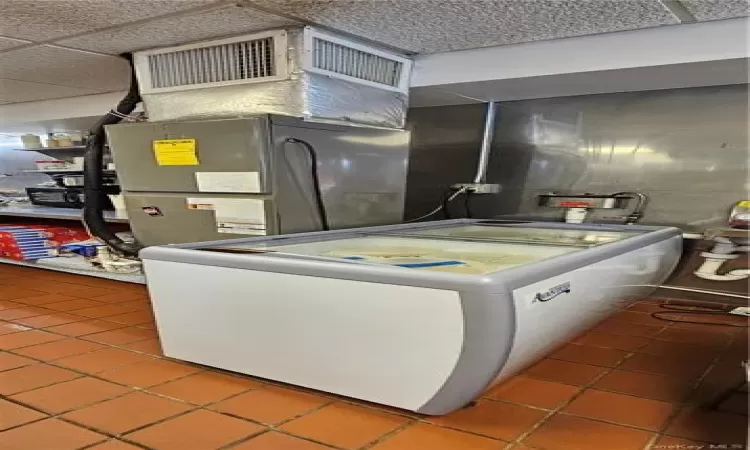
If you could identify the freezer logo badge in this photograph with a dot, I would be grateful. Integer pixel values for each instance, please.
(553, 292)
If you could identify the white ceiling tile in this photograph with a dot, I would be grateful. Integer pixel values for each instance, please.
(178, 30)
(8, 43)
(717, 9)
(54, 65)
(444, 25)
(42, 20)
(13, 91)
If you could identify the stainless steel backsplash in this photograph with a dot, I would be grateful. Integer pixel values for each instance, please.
(686, 148)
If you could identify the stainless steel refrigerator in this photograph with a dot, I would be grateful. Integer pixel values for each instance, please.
(194, 181)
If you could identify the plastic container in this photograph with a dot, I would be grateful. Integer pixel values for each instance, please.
(51, 165)
(31, 141)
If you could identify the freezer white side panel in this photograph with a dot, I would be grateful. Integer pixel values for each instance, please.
(550, 312)
(388, 344)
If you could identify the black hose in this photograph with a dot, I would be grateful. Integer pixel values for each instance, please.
(93, 160)
(316, 180)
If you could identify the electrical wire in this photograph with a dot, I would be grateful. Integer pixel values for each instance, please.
(442, 207)
(690, 309)
(323, 215)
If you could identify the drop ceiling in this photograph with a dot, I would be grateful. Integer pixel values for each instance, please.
(65, 48)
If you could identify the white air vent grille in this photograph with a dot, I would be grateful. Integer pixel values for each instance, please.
(246, 59)
(354, 61)
(228, 62)
(337, 58)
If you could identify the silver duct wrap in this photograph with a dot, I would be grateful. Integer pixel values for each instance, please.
(311, 96)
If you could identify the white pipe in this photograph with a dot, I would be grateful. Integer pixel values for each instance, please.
(708, 270)
(487, 135)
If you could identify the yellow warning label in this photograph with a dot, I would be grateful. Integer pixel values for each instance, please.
(175, 152)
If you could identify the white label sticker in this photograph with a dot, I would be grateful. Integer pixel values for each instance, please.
(234, 215)
(228, 181)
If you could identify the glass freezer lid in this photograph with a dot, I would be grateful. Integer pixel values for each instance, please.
(527, 235)
(413, 253)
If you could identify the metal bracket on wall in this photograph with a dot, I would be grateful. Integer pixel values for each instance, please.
(478, 188)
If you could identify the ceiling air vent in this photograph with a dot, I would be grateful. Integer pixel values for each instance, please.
(352, 61)
(247, 59)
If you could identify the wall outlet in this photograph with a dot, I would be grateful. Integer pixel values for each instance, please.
(478, 188)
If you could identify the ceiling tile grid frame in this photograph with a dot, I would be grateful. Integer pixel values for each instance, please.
(717, 9)
(9, 43)
(45, 20)
(428, 26)
(14, 91)
(65, 67)
(226, 21)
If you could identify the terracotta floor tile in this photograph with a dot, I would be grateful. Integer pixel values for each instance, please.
(10, 361)
(564, 372)
(120, 296)
(199, 430)
(23, 311)
(596, 356)
(149, 373)
(127, 413)
(676, 349)
(74, 304)
(702, 337)
(278, 441)
(576, 433)
(530, 391)
(26, 338)
(138, 305)
(628, 328)
(97, 312)
(49, 320)
(666, 365)
(59, 349)
(344, 425)
(70, 395)
(710, 426)
(10, 327)
(9, 305)
(647, 385)
(45, 299)
(717, 381)
(608, 340)
(639, 317)
(46, 286)
(121, 336)
(737, 403)
(12, 415)
(101, 360)
(32, 377)
(114, 444)
(12, 293)
(494, 419)
(133, 318)
(89, 326)
(271, 405)
(205, 387)
(621, 409)
(675, 443)
(429, 437)
(50, 434)
(149, 346)
(646, 307)
(89, 292)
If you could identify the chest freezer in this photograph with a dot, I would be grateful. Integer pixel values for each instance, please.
(423, 317)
